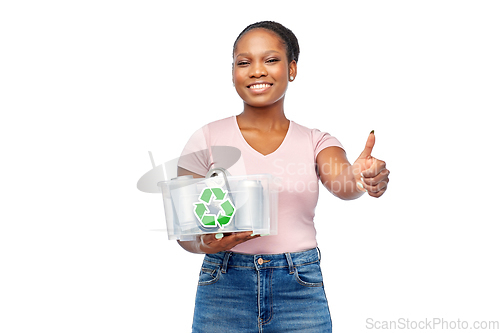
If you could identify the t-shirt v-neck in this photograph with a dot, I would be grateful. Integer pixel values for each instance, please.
(256, 152)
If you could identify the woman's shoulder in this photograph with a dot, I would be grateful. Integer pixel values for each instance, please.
(305, 130)
(215, 126)
(224, 122)
(319, 139)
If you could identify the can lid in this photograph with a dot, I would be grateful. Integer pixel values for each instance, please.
(249, 182)
(183, 177)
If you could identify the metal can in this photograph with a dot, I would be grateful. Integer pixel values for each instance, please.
(249, 200)
(183, 193)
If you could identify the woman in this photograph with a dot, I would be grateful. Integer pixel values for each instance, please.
(251, 283)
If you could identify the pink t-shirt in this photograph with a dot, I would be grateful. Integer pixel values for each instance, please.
(293, 163)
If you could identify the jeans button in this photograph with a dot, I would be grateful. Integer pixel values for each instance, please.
(260, 261)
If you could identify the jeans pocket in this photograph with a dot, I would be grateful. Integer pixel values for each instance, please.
(309, 275)
(209, 273)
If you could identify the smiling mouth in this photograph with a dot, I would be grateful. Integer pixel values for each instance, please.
(259, 86)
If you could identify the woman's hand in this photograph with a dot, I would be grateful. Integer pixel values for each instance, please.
(213, 243)
(348, 182)
(370, 173)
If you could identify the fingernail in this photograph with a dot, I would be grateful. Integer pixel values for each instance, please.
(253, 235)
(219, 236)
(372, 132)
(360, 186)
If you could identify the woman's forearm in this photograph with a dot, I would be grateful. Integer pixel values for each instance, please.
(344, 185)
(191, 246)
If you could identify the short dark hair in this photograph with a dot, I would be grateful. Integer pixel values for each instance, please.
(286, 35)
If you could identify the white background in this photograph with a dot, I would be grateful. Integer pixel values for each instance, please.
(89, 87)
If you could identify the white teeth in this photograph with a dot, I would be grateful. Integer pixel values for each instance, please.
(260, 86)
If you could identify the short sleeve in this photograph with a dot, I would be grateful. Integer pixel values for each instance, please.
(322, 140)
(195, 156)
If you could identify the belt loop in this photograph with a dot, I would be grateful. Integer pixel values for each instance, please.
(290, 262)
(319, 254)
(224, 262)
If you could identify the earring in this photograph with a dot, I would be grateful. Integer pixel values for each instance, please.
(291, 78)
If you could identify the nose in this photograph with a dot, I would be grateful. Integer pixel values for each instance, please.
(258, 69)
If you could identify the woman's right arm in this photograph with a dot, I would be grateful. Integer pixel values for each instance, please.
(212, 243)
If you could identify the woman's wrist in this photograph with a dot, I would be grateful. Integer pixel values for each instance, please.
(347, 185)
(193, 246)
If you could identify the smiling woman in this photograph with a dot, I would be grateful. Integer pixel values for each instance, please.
(248, 282)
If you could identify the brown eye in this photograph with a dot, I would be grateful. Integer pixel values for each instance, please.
(273, 60)
(242, 63)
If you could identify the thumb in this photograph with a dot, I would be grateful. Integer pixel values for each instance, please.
(370, 142)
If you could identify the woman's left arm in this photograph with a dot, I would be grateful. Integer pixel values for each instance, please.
(348, 182)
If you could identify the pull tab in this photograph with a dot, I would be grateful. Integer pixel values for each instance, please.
(217, 172)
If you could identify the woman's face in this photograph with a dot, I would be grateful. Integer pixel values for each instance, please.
(260, 68)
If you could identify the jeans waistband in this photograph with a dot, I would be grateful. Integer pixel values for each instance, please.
(263, 261)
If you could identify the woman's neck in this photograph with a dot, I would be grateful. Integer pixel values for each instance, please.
(264, 118)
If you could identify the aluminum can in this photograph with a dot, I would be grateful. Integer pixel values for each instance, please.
(183, 193)
(249, 201)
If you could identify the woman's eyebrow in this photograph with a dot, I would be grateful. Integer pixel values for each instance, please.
(246, 54)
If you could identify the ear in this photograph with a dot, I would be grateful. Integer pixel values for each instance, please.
(232, 73)
(292, 69)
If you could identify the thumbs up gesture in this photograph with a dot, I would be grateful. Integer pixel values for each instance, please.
(370, 173)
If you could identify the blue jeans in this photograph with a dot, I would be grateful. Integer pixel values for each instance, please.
(240, 293)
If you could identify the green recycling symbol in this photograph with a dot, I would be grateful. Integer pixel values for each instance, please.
(216, 196)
